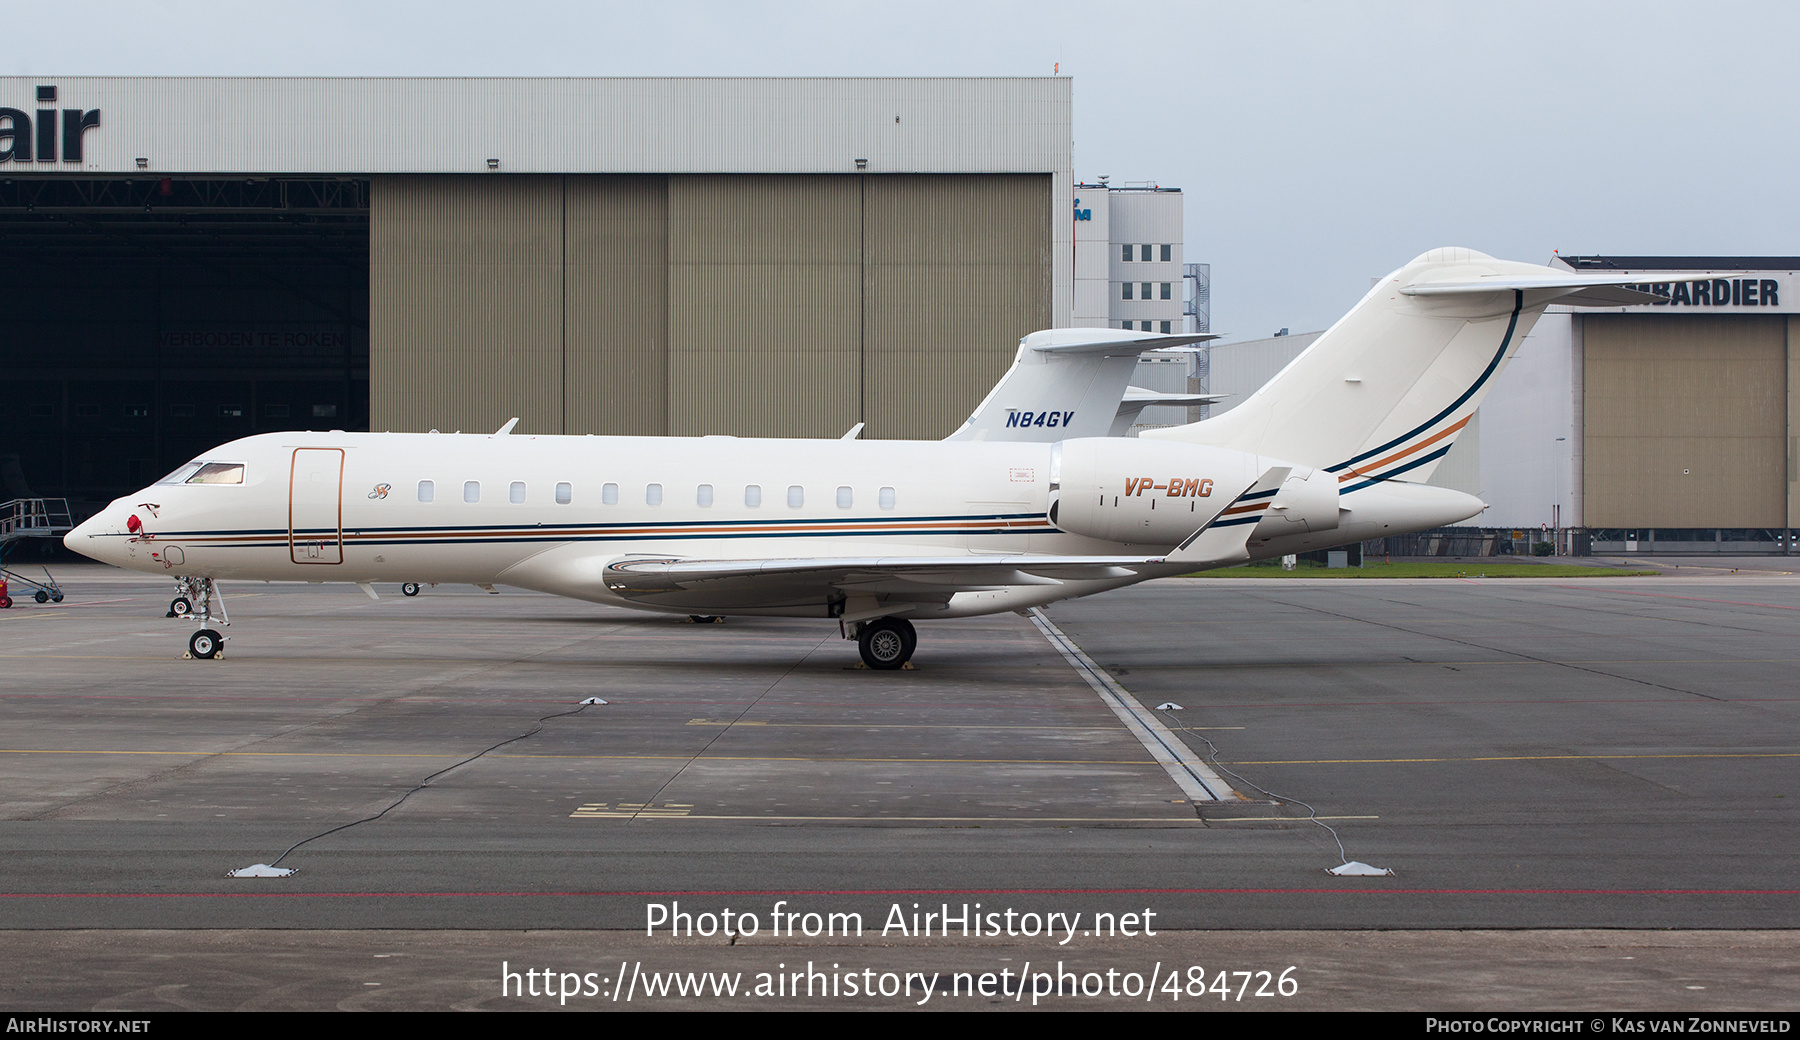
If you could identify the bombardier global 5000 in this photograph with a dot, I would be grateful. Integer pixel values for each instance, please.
(1029, 503)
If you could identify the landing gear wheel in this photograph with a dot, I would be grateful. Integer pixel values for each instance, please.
(205, 644)
(180, 606)
(41, 596)
(706, 619)
(887, 643)
(56, 597)
(411, 588)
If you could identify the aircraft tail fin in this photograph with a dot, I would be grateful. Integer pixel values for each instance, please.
(1385, 391)
(1064, 383)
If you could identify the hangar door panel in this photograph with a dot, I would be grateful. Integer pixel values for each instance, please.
(315, 506)
(1685, 421)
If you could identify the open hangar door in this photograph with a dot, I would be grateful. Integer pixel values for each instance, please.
(149, 319)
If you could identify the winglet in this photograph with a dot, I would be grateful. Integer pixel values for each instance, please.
(508, 428)
(853, 433)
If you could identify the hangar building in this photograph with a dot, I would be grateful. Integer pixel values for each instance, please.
(195, 260)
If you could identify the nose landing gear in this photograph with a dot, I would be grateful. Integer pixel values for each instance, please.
(196, 603)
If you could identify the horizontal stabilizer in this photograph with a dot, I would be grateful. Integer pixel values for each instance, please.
(1580, 289)
(1108, 342)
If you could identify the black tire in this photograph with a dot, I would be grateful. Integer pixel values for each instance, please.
(205, 644)
(56, 597)
(41, 596)
(410, 588)
(6, 603)
(887, 643)
(180, 606)
(705, 619)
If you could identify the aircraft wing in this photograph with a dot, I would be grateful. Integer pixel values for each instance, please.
(875, 584)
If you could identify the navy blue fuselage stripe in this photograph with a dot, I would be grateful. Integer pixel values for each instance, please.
(893, 525)
(1505, 341)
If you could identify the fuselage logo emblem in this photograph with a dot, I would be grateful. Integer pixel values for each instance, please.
(381, 491)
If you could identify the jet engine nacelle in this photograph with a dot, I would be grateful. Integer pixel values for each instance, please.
(1306, 503)
(1146, 492)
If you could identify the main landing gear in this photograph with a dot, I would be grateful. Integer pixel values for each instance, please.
(886, 643)
(196, 602)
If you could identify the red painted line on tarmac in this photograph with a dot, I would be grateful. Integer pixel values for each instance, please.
(924, 892)
(1696, 599)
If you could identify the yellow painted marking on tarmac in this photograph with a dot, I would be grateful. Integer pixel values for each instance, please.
(874, 725)
(1516, 758)
(631, 810)
(604, 758)
(966, 819)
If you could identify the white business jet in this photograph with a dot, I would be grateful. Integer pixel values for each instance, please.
(876, 534)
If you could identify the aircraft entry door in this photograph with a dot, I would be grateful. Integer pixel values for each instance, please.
(316, 506)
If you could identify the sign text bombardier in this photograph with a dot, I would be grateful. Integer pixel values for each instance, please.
(877, 534)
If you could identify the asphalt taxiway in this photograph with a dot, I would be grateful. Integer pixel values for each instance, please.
(1521, 753)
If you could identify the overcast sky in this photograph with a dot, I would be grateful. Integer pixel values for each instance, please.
(1320, 144)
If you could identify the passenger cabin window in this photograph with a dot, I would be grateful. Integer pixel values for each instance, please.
(796, 496)
(886, 498)
(653, 494)
(845, 497)
(753, 495)
(565, 493)
(471, 491)
(703, 496)
(427, 491)
(516, 493)
(609, 494)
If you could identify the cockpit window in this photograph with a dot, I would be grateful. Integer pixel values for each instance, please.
(181, 474)
(218, 473)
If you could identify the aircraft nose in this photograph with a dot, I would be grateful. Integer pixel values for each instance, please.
(87, 539)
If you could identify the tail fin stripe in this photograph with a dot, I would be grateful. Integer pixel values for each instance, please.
(1367, 471)
(1414, 464)
(1500, 355)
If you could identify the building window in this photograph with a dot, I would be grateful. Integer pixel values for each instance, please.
(753, 496)
(1144, 326)
(1165, 328)
(231, 411)
(796, 496)
(1125, 253)
(845, 497)
(275, 411)
(137, 411)
(87, 411)
(1125, 325)
(653, 494)
(703, 496)
(565, 493)
(1124, 290)
(1145, 253)
(516, 493)
(471, 491)
(45, 411)
(1168, 252)
(886, 498)
(609, 494)
(1146, 293)
(427, 491)
(179, 411)
(324, 411)
(1167, 287)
